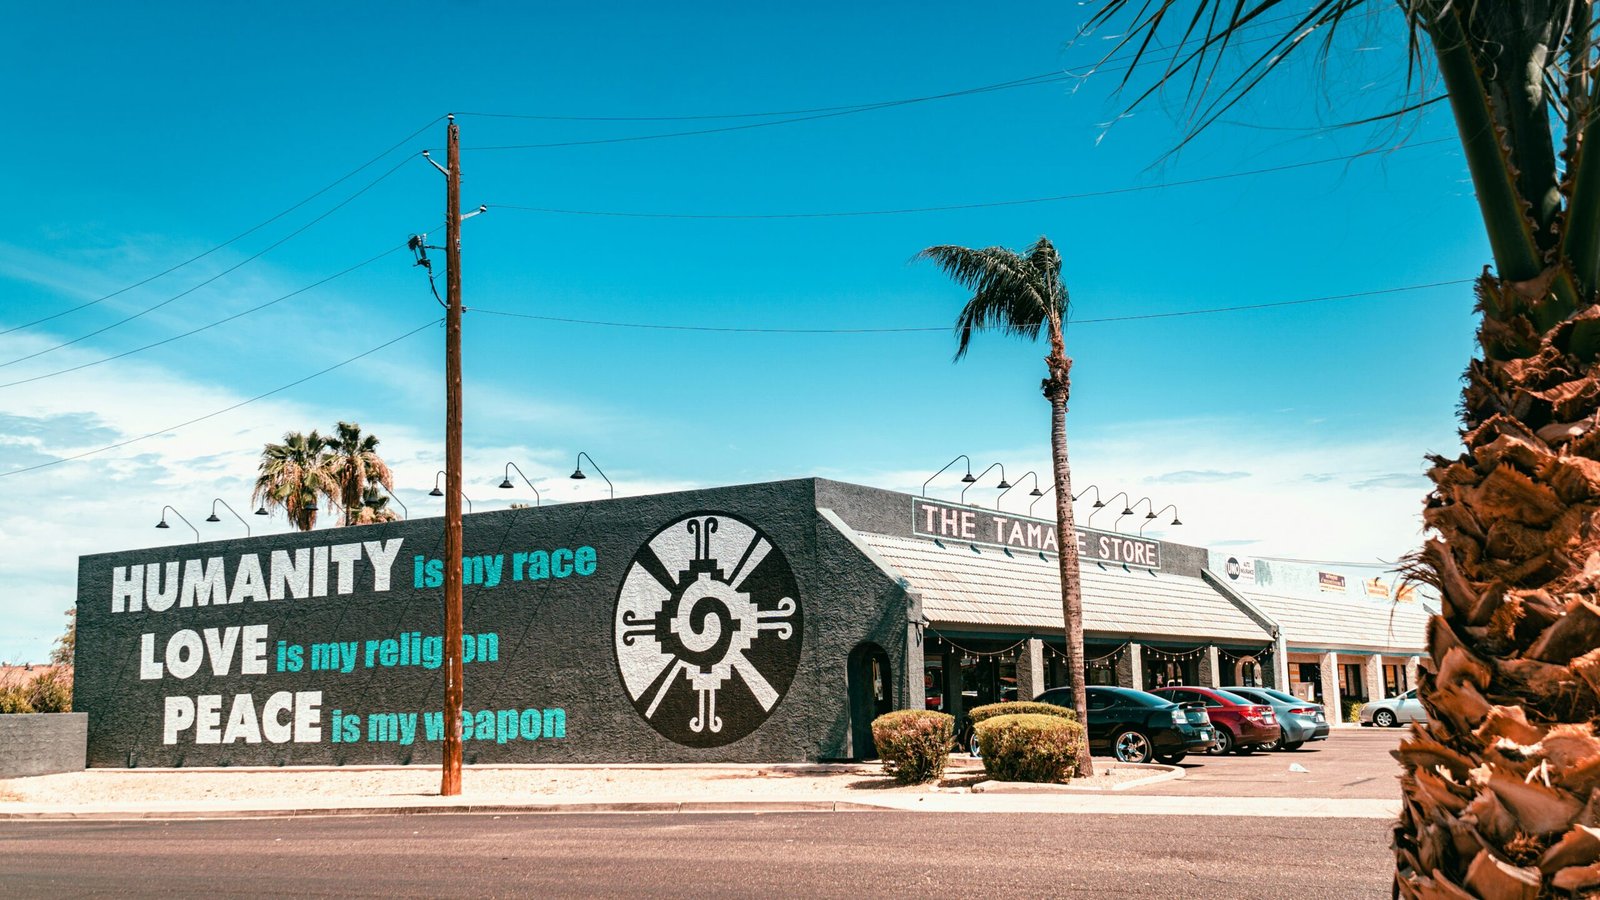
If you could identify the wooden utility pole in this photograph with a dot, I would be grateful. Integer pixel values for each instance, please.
(450, 785)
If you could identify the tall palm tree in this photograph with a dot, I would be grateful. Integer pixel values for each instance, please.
(374, 508)
(354, 463)
(1021, 294)
(1503, 783)
(294, 476)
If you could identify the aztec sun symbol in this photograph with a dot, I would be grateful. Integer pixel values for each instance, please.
(707, 629)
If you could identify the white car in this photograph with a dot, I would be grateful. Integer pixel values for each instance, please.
(1394, 711)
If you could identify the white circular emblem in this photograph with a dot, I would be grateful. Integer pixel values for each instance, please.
(707, 629)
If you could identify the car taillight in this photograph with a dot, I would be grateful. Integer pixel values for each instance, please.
(1304, 711)
(1177, 716)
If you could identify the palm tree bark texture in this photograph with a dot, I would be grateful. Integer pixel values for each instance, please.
(1022, 294)
(1501, 788)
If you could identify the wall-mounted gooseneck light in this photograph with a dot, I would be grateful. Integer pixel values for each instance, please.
(213, 517)
(1099, 506)
(1003, 485)
(577, 473)
(1130, 511)
(1147, 519)
(163, 522)
(966, 479)
(439, 491)
(1035, 493)
(404, 513)
(506, 485)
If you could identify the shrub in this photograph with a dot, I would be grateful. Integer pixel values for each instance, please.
(1013, 708)
(14, 699)
(1352, 710)
(913, 743)
(50, 692)
(1030, 747)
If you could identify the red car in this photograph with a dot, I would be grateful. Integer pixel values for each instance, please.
(1242, 726)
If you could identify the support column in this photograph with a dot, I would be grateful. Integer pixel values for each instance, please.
(1374, 673)
(1030, 670)
(1210, 668)
(1330, 687)
(1411, 671)
(1130, 668)
(1280, 663)
(954, 703)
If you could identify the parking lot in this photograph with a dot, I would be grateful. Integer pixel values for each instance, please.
(1354, 763)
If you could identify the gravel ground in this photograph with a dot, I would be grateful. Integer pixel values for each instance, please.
(123, 787)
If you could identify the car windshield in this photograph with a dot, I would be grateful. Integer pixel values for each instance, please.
(1287, 698)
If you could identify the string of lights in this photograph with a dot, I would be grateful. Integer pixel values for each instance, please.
(1167, 656)
(983, 654)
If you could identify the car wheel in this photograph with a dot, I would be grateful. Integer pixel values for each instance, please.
(1222, 744)
(1246, 749)
(1171, 759)
(1132, 747)
(972, 744)
(1292, 746)
(1384, 719)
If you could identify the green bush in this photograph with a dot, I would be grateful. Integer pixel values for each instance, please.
(50, 692)
(1015, 708)
(14, 699)
(914, 744)
(1030, 747)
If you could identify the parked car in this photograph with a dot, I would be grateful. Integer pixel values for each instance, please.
(1301, 720)
(1241, 725)
(1135, 726)
(1393, 711)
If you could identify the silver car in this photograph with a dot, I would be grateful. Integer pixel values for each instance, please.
(1394, 711)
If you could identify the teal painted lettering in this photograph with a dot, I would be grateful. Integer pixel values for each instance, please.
(538, 565)
(530, 724)
(434, 570)
(389, 652)
(517, 562)
(583, 561)
(555, 723)
(561, 563)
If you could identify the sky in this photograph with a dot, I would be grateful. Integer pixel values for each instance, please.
(144, 137)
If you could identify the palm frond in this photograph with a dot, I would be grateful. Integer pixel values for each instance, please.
(1009, 292)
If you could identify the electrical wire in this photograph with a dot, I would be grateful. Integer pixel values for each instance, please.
(992, 204)
(243, 234)
(222, 321)
(944, 328)
(212, 415)
(257, 255)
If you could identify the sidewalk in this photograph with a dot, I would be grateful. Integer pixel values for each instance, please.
(388, 790)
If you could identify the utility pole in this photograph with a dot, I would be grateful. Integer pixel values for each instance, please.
(450, 785)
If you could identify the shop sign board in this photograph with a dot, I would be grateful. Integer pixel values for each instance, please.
(970, 524)
(1377, 589)
(1330, 582)
(1240, 570)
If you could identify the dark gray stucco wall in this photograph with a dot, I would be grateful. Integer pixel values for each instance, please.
(557, 648)
(42, 743)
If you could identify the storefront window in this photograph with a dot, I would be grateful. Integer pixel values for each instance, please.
(1351, 685)
(1310, 679)
(1394, 679)
(1165, 672)
(933, 686)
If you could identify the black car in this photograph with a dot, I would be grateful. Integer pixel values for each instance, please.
(1136, 726)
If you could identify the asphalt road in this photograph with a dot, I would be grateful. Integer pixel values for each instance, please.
(706, 855)
(1354, 763)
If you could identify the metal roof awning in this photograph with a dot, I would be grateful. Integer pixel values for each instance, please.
(988, 588)
(1334, 623)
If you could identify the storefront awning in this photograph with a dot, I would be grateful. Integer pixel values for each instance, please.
(960, 586)
(1338, 623)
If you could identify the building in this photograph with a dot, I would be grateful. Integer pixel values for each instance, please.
(759, 622)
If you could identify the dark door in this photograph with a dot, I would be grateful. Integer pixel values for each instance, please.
(871, 695)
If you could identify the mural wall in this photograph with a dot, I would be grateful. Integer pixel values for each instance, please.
(707, 625)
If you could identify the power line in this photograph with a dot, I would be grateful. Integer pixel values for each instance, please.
(965, 206)
(243, 234)
(915, 329)
(1027, 81)
(212, 415)
(247, 260)
(223, 321)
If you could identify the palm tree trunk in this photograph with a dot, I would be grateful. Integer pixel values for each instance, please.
(1502, 787)
(1056, 389)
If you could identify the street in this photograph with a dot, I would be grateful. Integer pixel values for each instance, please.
(820, 855)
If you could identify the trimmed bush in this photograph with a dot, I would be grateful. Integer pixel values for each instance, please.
(1352, 710)
(913, 743)
(1030, 747)
(14, 699)
(50, 692)
(1015, 708)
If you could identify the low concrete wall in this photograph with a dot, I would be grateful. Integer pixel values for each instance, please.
(43, 743)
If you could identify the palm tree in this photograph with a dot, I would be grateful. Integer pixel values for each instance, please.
(354, 463)
(294, 476)
(374, 508)
(1019, 294)
(1501, 783)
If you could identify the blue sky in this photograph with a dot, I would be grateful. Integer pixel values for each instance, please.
(144, 136)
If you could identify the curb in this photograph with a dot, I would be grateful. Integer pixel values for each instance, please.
(1158, 774)
(688, 806)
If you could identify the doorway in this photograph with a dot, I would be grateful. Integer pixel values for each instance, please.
(871, 690)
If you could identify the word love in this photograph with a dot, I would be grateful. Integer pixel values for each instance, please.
(187, 650)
